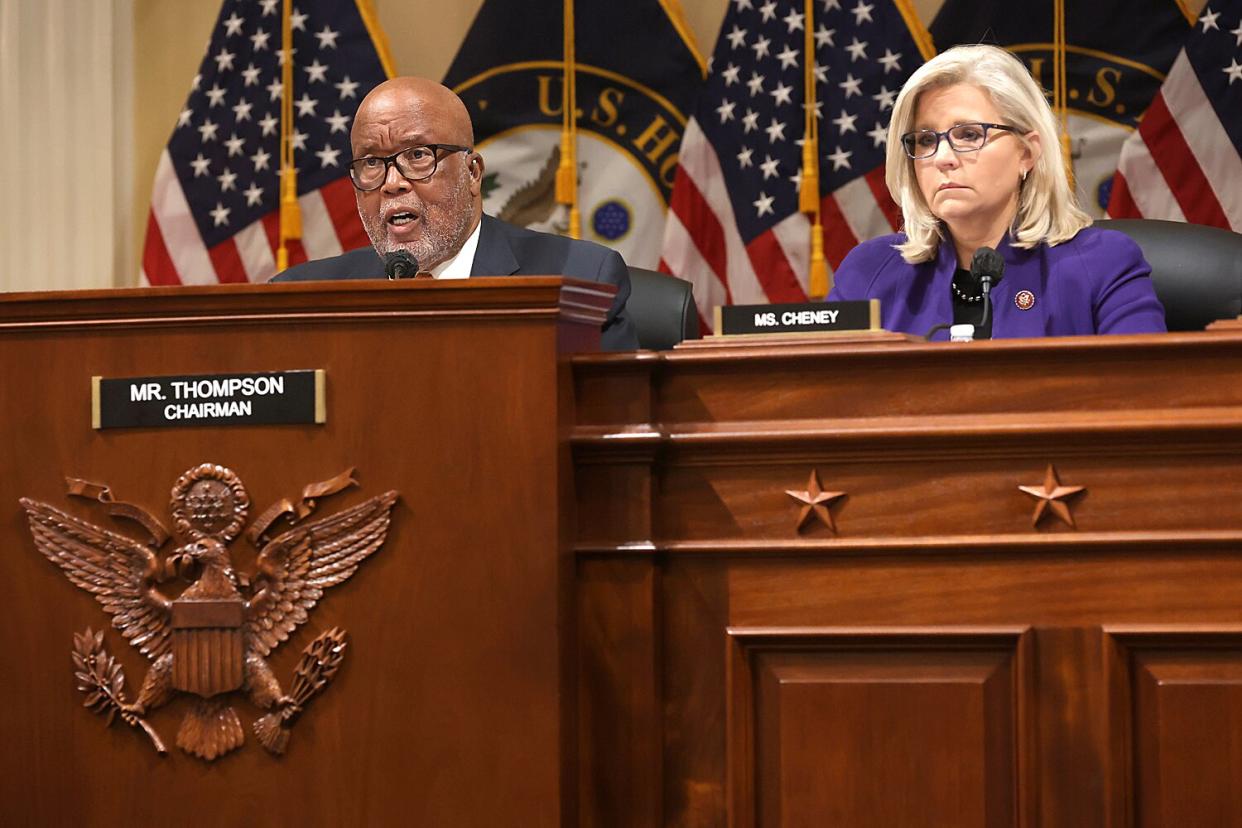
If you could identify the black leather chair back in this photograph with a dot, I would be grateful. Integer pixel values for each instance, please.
(1197, 270)
(661, 308)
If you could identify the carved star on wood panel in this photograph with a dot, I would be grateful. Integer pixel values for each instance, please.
(815, 501)
(1052, 496)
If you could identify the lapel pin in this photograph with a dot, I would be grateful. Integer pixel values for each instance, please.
(1024, 299)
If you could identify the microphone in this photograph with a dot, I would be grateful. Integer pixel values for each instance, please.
(987, 266)
(399, 264)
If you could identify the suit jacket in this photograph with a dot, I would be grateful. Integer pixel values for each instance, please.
(1097, 282)
(506, 250)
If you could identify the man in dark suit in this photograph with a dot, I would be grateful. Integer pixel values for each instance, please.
(418, 183)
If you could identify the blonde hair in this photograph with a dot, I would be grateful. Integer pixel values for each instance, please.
(1048, 211)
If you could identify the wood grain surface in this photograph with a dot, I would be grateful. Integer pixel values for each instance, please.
(935, 656)
(448, 707)
(598, 604)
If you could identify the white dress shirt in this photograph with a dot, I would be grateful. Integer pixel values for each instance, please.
(459, 266)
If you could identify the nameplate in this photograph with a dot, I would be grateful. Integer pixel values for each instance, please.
(267, 398)
(803, 317)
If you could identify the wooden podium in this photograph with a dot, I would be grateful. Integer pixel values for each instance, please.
(882, 583)
(839, 582)
(454, 703)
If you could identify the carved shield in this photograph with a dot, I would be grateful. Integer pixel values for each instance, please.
(208, 656)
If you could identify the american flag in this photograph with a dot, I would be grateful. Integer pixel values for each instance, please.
(214, 207)
(733, 227)
(1184, 163)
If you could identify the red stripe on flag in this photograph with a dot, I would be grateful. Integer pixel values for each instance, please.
(702, 226)
(227, 262)
(875, 180)
(156, 262)
(271, 226)
(1121, 203)
(297, 253)
(1178, 165)
(773, 269)
(338, 197)
(704, 328)
(838, 237)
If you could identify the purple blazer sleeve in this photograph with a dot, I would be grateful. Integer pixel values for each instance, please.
(1123, 300)
(856, 277)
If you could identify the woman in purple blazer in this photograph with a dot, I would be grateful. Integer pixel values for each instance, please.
(974, 161)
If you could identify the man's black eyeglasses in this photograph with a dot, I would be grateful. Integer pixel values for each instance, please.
(416, 163)
(961, 137)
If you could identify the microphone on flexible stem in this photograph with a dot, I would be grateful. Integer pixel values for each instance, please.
(400, 264)
(987, 266)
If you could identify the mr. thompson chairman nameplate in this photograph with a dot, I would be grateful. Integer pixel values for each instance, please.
(264, 398)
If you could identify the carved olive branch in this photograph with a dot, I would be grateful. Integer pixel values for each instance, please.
(102, 679)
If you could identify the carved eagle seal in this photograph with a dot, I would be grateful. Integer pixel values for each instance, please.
(214, 637)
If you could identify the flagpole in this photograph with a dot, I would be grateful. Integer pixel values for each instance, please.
(290, 211)
(1059, 98)
(567, 171)
(808, 194)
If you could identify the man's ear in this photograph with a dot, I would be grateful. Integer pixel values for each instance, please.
(474, 165)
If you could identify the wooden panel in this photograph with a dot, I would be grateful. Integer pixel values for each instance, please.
(454, 704)
(962, 492)
(790, 381)
(894, 727)
(620, 754)
(620, 392)
(614, 503)
(694, 605)
(930, 444)
(1182, 692)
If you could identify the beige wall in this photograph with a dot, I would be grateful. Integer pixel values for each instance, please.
(424, 35)
(170, 37)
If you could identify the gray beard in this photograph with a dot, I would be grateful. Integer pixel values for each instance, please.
(446, 225)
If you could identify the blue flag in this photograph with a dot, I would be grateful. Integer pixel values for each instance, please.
(1117, 54)
(637, 75)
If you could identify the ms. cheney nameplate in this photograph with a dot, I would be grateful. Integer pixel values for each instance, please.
(266, 398)
(803, 317)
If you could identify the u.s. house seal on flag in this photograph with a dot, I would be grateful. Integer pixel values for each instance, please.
(630, 116)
